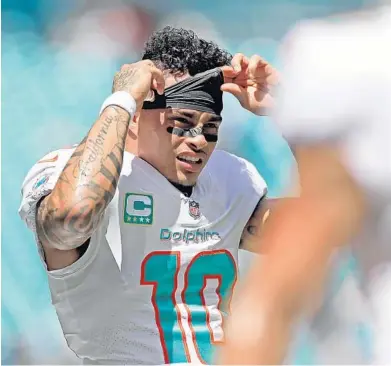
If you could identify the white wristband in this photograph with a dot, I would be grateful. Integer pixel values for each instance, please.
(120, 99)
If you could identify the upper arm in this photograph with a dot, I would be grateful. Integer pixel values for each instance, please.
(38, 209)
(35, 209)
(252, 232)
(49, 236)
(252, 229)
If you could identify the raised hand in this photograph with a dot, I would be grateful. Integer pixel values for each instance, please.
(138, 80)
(251, 81)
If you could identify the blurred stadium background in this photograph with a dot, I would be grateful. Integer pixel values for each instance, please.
(58, 59)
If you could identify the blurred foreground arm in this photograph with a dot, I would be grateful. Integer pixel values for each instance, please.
(297, 240)
(324, 110)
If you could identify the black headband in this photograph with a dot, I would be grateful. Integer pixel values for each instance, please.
(200, 92)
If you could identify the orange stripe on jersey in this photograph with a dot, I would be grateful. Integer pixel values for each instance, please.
(51, 160)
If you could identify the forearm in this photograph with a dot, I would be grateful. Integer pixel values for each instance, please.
(71, 213)
(258, 331)
(278, 287)
(299, 239)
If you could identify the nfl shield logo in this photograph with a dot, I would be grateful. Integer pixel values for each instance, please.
(194, 209)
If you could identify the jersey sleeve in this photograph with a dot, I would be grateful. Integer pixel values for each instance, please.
(333, 93)
(317, 98)
(253, 183)
(253, 189)
(40, 181)
(240, 181)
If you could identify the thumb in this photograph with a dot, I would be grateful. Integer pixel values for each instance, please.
(232, 88)
(228, 72)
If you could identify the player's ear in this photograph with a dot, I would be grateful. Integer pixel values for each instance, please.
(133, 126)
(131, 140)
(136, 117)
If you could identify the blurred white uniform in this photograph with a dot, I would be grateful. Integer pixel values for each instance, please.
(149, 288)
(337, 79)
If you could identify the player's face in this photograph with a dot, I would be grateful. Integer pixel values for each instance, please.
(180, 159)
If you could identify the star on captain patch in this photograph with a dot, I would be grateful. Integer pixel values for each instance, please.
(194, 209)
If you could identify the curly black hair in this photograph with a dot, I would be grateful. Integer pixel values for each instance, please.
(181, 50)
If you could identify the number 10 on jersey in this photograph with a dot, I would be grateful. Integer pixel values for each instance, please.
(161, 269)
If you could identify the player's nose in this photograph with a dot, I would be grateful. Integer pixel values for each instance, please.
(197, 142)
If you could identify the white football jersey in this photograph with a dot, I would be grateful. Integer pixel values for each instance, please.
(156, 280)
(337, 89)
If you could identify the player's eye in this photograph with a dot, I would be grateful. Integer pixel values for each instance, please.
(180, 120)
(211, 128)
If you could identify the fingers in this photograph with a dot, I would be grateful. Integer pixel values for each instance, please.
(239, 62)
(232, 88)
(229, 73)
(157, 80)
(255, 64)
(260, 68)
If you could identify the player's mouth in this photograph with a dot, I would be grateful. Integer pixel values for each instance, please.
(190, 163)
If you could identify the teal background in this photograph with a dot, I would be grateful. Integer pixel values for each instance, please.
(58, 60)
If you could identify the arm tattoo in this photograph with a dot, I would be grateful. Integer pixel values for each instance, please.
(70, 214)
(251, 228)
(123, 79)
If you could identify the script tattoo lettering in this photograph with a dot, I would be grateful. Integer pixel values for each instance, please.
(69, 215)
